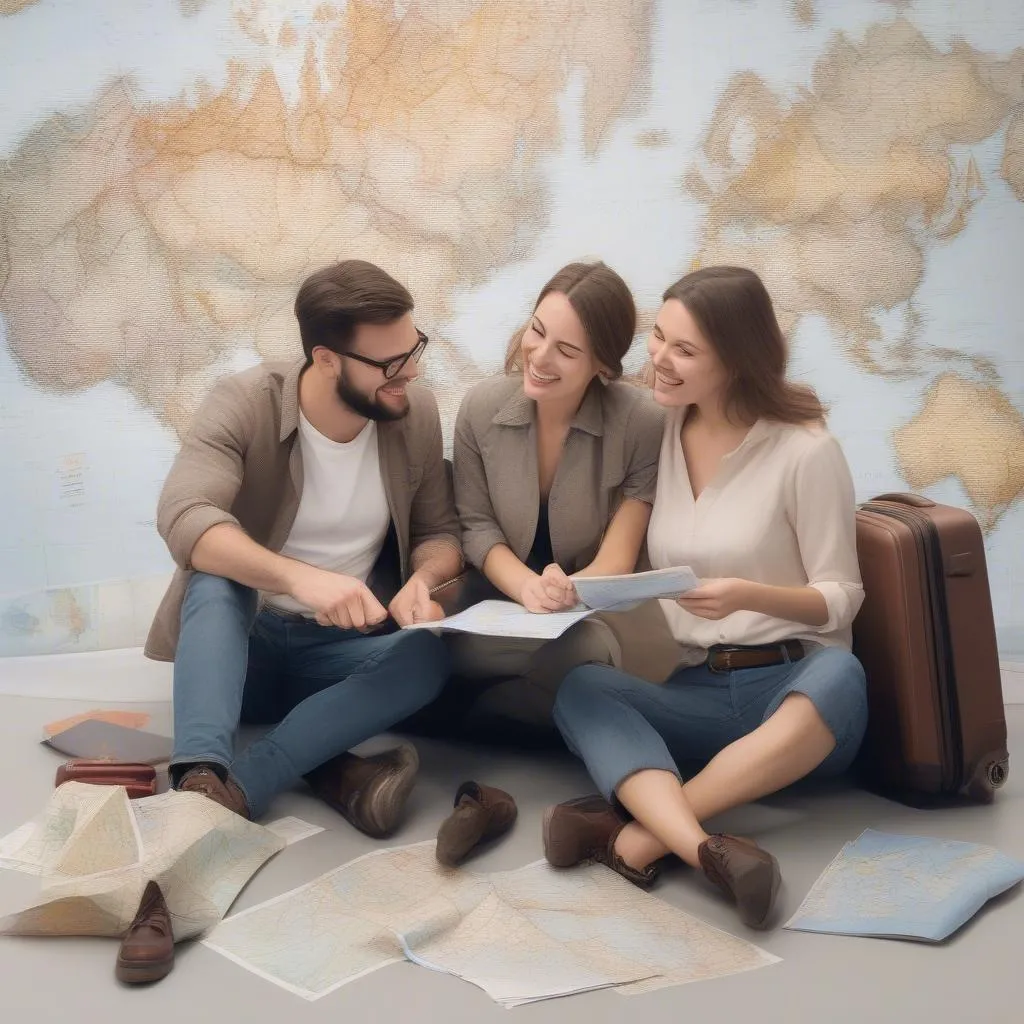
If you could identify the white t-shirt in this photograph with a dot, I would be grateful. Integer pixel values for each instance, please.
(343, 515)
(780, 511)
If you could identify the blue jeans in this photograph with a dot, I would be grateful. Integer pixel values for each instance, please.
(620, 725)
(326, 689)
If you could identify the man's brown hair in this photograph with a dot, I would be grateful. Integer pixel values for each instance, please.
(334, 300)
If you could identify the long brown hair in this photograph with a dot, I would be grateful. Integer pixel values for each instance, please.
(605, 306)
(734, 312)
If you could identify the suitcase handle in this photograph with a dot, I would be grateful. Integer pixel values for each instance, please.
(905, 498)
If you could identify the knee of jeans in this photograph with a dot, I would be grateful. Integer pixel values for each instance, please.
(205, 588)
(847, 690)
(428, 653)
(580, 687)
(845, 670)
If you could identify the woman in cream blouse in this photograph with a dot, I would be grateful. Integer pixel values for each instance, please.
(554, 471)
(755, 495)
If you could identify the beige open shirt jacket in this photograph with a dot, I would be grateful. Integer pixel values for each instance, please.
(241, 463)
(611, 453)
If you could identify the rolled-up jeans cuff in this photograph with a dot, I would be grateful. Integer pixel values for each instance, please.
(609, 779)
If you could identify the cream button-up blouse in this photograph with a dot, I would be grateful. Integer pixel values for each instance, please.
(780, 511)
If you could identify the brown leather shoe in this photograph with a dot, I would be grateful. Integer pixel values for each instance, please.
(368, 792)
(147, 949)
(481, 813)
(747, 874)
(207, 783)
(586, 829)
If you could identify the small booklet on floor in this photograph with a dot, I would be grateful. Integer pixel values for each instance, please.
(596, 593)
(107, 741)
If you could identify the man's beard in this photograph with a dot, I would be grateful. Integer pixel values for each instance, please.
(367, 405)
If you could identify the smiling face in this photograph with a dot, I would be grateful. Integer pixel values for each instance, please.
(687, 369)
(558, 360)
(363, 388)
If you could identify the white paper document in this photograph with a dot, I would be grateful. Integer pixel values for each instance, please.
(612, 593)
(292, 829)
(507, 618)
(524, 935)
(596, 593)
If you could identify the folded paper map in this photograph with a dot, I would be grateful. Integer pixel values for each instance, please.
(596, 593)
(524, 935)
(95, 850)
(911, 887)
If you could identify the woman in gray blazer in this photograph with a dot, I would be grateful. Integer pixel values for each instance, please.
(555, 465)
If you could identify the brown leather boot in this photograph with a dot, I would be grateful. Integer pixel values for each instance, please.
(147, 949)
(368, 792)
(748, 875)
(586, 829)
(481, 813)
(207, 783)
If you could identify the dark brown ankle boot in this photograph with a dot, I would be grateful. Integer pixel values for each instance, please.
(203, 780)
(368, 792)
(481, 813)
(748, 875)
(586, 829)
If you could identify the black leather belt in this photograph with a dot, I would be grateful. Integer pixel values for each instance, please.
(728, 658)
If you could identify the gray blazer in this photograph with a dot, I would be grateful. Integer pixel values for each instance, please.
(611, 453)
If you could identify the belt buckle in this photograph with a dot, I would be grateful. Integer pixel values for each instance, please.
(715, 651)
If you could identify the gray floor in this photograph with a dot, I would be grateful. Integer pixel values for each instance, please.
(976, 976)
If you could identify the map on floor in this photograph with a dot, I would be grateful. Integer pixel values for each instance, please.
(95, 850)
(522, 936)
(910, 887)
(292, 829)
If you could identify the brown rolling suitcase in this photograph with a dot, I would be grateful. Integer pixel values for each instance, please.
(926, 638)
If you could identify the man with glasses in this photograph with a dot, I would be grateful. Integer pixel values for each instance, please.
(309, 513)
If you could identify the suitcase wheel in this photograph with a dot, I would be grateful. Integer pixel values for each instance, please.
(988, 777)
(997, 771)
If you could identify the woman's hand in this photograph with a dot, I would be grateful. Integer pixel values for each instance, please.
(552, 591)
(715, 599)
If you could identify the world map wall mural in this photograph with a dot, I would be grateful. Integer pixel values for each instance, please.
(170, 170)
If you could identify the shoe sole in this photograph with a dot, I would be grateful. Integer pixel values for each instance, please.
(385, 804)
(132, 973)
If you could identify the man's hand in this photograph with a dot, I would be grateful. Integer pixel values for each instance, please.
(412, 604)
(715, 599)
(552, 591)
(337, 600)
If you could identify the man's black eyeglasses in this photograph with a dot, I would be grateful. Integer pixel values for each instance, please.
(392, 367)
